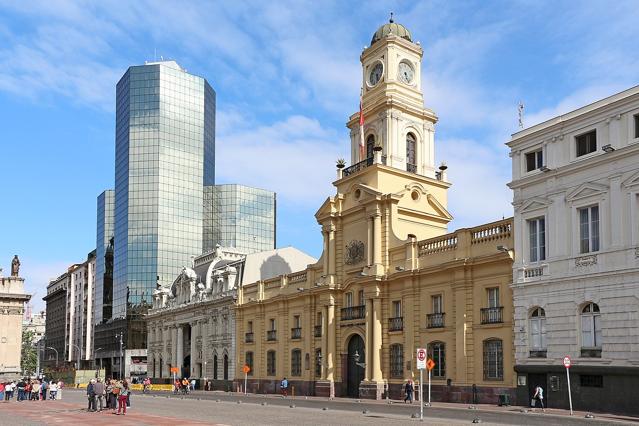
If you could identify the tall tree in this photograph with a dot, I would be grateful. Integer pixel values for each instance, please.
(29, 359)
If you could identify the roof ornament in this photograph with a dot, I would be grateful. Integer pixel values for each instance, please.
(520, 113)
(391, 18)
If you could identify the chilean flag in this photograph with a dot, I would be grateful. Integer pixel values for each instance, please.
(362, 147)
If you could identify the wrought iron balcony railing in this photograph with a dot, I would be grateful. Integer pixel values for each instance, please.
(248, 337)
(492, 315)
(396, 324)
(296, 333)
(435, 320)
(361, 166)
(271, 335)
(318, 331)
(353, 312)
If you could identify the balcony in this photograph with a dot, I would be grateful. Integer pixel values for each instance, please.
(296, 333)
(248, 337)
(538, 353)
(353, 312)
(396, 324)
(591, 352)
(318, 331)
(361, 166)
(435, 320)
(271, 335)
(492, 315)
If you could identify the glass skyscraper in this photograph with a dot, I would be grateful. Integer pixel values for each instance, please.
(239, 216)
(104, 268)
(164, 156)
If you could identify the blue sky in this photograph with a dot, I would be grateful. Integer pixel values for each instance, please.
(287, 76)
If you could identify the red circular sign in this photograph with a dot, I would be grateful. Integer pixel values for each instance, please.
(421, 354)
(567, 361)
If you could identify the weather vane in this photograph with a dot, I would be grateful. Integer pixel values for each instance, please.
(391, 18)
(520, 112)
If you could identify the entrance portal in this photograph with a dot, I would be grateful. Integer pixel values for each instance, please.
(355, 373)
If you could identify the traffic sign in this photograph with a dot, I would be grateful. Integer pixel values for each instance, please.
(567, 361)
(174, 369)
(246, 369)
(421, 358)
(430, 364)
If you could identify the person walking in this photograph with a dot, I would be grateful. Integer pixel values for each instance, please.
(284, 387)
(91, 395)
(53, 390)
(2, 388)
(123, 393)
(408, 389)
(538, 396)
(99, 390)
(60, 386)
(35, 390)
(44, 387)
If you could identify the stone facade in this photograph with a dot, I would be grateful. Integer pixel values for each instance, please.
(12, 300)
(80, 302)
(56, 322)
(191, 326)
(576, 271)
(390, 279)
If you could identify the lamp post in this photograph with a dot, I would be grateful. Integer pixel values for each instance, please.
(77, 364)
(97, 368)
(56, 355)
(119, 336)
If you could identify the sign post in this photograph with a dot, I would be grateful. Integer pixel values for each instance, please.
(567, 363)
(174, 370)
(430, 365)
(421, 364)
(246, 370)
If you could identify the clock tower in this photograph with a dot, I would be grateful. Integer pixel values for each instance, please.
(393, 104)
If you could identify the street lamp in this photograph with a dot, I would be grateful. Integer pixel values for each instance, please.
(356, 359)
(95, 351)
(118, 336)
(56, 355)
(80, 356)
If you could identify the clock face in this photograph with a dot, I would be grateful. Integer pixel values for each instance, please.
(376, 74)
(406, 72)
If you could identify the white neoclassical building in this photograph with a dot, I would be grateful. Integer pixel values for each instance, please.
(191, 326)
(576, 269)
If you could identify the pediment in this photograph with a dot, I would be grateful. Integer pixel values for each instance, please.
(437, 206)
(536, 203)
(632, 181)
(325, 209)
(585, 190)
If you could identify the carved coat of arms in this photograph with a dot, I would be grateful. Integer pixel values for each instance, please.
(354, 252)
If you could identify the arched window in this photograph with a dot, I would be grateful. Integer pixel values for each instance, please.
(160, 367)
(270, 363)
(493, 359)
(411, 160)
(370, 144)
(296, 362)
(437, 352)
(397, 360)
(538, 330)
(215, 367)
(590, 326)
(226, 367)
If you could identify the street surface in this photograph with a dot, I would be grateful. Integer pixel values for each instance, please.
(219, 408)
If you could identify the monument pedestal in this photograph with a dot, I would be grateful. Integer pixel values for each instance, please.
(371, 390)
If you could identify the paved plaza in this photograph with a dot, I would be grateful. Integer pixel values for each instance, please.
(216, 408)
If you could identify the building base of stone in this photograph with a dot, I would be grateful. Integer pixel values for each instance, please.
(371, 390)
(325, 388)
(594, 388)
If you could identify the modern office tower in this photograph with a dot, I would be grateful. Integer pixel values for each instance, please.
(239, 216)
(164, 155)
(104, 257)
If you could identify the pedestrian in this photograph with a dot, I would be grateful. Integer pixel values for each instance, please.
(2, 388)
(44, 387)
(538, 396)
(284, 387)
(185, 385)
(192, 384)
(91, 395)
(21, 385)
(122, 397)
(53, 390)
(107, 391)
(115, 392)
(60, 386)
(408, 389)
(35, 390)
(99, 390)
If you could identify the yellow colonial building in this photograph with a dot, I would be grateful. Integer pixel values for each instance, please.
(390, 279)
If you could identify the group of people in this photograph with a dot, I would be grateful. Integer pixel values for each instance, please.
(28, 389)
(183, 385)
(109, 395)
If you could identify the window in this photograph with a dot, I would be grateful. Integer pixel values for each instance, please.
(438, 305)
(436, 351)
(537, 239)
(493, 297)
(249, 361)
(534, 160)
(590, 381)
(272, 323)
(589, 229)
(538, 329)
(270, 363)
(249, 327)
(591, 326)
(493, 360)
(636, 120)
(226, 367)
(397, 309)
(586, 143)
(410, 152)
(318, 362)
(397, 360)
(296, 321)
(370, 144)
(215, 367)
(349, 299)
(296, 362)
(360, 298)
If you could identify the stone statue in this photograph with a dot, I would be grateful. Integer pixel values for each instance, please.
(15, 266)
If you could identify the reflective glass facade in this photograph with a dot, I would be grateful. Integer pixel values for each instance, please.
(241, 217)
(165, 154)
(103, 291)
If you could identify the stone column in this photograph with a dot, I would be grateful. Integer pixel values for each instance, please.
(194, 332)
(331, 355)
(376, 344)
(331, 251)
(377, 244)
(369, 245)
(180, 349)
(368, 337)
(326, 252)
(204, 333)
(174, 345)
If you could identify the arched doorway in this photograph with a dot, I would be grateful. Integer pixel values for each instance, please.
(186, 368)
(226, 367)
(355, 373)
